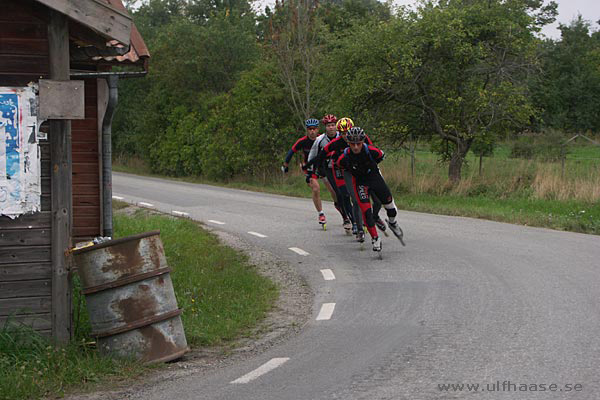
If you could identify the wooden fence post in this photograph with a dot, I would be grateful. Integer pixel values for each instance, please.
(60, 149)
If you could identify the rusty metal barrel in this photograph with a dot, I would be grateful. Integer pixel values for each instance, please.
(130, 298)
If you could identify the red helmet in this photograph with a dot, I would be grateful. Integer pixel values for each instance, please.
(328, 119)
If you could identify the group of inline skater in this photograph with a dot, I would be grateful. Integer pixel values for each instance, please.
(347, 161)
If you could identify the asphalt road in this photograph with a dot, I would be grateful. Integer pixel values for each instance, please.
(466, 302)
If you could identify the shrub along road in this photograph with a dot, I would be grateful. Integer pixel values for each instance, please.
(466, 302)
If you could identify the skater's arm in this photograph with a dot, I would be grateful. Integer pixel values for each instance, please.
(342, 162)
(376, 153)
(297, 146)
(331, 146)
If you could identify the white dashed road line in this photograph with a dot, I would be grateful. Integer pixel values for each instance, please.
(117, 197)
(299, 251)
(263, 369)
(328, 274)
(143, 204)
(260, 235)
(216, 222)
(326, 311)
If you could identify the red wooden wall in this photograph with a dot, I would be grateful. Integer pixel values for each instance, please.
(25, 242)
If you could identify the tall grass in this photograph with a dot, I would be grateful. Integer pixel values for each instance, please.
(501, 178)
(32, 367)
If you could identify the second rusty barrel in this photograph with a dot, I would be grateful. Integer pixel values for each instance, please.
(130, 298)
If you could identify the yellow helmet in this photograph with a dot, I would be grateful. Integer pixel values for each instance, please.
(344, 124)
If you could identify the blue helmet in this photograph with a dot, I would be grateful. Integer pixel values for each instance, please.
(311, 122)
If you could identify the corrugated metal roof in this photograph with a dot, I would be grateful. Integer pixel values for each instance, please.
(138, 50)
(112, 52)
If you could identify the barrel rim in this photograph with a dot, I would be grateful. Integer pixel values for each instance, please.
(168, 357)
(115, 242)
(137, 324)
(129, 279)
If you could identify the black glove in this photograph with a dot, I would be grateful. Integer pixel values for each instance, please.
(308, 176)
(284, 169)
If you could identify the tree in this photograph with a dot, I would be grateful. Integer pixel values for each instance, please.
(297, 45)
(568, 90)
(458, 66)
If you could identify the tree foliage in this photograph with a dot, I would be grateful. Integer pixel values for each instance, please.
(568, 87)
(456, 68)
(227, 86)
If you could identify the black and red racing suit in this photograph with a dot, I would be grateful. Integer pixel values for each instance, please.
(366, 180)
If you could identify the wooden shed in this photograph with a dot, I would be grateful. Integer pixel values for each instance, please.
(50, 42)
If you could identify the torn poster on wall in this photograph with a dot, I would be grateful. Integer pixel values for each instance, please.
(20, 178)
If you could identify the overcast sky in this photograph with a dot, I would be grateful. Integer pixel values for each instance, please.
(567, 11)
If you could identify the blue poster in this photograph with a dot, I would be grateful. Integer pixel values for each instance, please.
(9, 120)
(20, 180)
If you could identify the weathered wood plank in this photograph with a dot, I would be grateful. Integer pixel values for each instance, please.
(19, 79)
(24, 46)
(46, 202)
(25, 305)
(88, 189)
(85, 203)
(84, 157)
(86, 232)
(23, 30)
(44, 151)
(90, 210)
(88, 124)
(91, 110)
(35, 321)
(84, 178)
(46, 183)
(23, 272)
(86, 167)
(22, 11)
(61, 99)
(37, 220)
(25, 237)
(12, 255)
(97, 15)
(86, 147)
(87, 222)
(60, 150)
(42, 287)
(30, 64)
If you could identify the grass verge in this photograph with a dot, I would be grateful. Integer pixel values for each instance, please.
(31, 367)
(221, 295)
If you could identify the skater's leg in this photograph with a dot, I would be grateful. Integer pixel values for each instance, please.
(356, 211)
(376, 204)
(381, 188)
(343, 197)
(316, 193)
(362, 194)
(335, 195)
